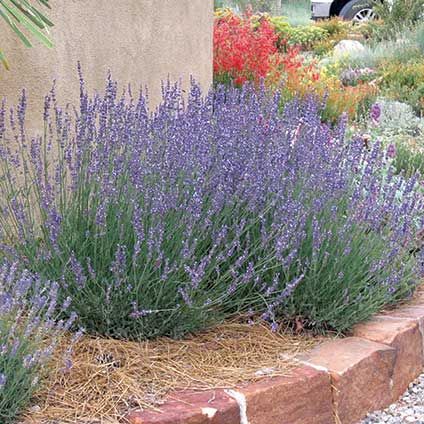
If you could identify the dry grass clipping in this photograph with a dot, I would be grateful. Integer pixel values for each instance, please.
(110, 377)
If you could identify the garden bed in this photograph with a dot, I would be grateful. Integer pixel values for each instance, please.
(110, 377)
(338, 381)
(238, 373)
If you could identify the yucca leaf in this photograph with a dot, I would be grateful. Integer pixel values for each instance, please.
(3, 60)
(44, 3)
(37, 34)
(32, 13)
(16, 30)
(21, 14)
(29, 24)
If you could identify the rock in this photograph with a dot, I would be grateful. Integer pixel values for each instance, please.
(193, 408)
(409, 409)
(404, 335)
(347, 48)
(361, 372)
(414, 311)
(409, 419)
(306, 392)
(303, 394)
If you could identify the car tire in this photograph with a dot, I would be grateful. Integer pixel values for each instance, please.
(357, 10)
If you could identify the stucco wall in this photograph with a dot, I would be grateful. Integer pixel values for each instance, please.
(140, 41)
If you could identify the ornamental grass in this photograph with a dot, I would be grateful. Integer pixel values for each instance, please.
(163, 223)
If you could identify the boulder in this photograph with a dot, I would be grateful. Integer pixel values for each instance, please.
(347, 48)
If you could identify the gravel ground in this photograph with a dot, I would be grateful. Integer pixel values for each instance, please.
(409, 409)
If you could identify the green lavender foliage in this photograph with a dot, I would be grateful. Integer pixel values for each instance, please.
(165, 223)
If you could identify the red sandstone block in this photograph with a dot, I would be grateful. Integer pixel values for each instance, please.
(361, 373)
(413, 311)
(303, 397)
(404, 335)
(210, 407)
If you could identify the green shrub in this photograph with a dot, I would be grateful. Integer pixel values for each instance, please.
(334, 26)
(395, 16)
(408, 160)
(367, 29)
(336, 29)
(404, 82)
(304, 36)
(419, 37)
(241, 6)
(403, 74)
(298, 12)
(398, 119)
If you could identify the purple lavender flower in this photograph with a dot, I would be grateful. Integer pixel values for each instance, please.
(2, 380)
(391, 151)
(375, 113)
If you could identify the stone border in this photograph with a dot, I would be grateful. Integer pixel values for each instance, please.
(338, 382)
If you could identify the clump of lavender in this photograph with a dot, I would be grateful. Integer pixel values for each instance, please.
(29, 334)
(353, 77)
(162, 223)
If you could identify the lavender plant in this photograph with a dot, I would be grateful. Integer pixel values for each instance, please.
(28, 336)
(162, 223)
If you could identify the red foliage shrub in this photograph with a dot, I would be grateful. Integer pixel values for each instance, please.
(243, 52)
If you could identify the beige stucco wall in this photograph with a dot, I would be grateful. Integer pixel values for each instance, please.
(140, 41)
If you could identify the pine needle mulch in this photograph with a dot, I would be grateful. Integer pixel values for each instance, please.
(110, 377)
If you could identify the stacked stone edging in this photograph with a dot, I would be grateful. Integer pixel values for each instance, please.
(338, 382)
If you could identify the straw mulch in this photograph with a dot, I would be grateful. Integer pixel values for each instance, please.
(110, 377)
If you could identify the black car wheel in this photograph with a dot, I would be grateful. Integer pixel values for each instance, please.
(358, 11)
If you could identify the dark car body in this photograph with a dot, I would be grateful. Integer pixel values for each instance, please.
(356, 10)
